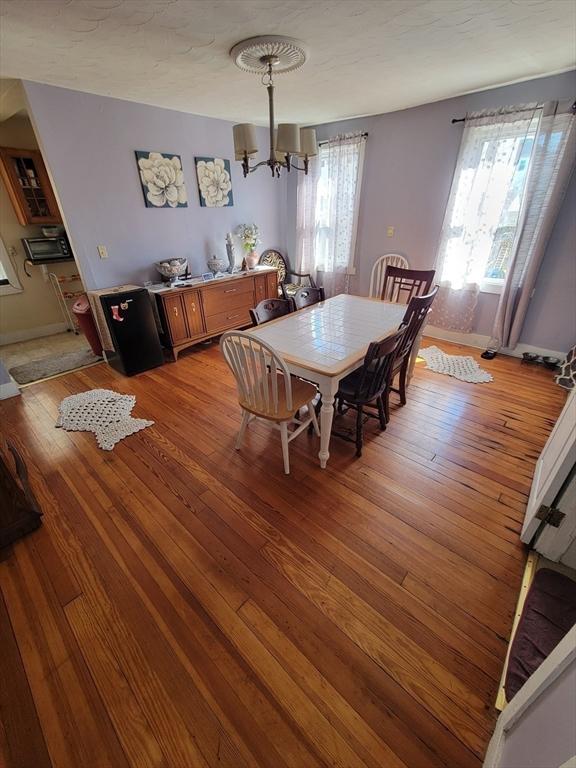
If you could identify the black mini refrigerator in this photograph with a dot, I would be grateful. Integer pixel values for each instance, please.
(132, 326)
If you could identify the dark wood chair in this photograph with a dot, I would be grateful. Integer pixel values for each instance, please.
(366, 385)
(287, 286)
(270, 309)
(20, 512)
(305, 297)
(413, 321)
(400, 285)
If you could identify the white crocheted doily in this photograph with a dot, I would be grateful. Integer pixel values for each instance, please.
(102, 411)
(461, 367)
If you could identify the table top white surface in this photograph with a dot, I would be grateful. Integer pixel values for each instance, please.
(331, 336)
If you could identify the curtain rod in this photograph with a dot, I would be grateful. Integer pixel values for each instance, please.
(489, 114)
(320, 143)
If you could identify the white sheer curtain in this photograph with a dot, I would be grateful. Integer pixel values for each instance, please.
(306, 218)
(483, 209)
(327, 212)
(552, 164)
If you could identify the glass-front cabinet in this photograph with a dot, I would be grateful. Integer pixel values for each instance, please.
(24, 173)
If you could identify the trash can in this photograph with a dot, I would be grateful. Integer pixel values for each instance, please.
(83, 312)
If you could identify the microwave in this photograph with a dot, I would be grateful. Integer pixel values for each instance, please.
(44, 250)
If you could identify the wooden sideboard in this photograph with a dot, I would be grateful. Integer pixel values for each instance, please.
(193, 313)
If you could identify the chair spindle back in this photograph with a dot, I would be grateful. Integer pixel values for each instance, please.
(377, 367)
(401, 285)
(413, 320)
(379, 271)
(256, 366)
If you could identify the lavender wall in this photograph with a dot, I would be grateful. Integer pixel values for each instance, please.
(410, 160)
(88, 143)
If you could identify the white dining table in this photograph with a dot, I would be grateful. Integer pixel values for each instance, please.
(327, 341)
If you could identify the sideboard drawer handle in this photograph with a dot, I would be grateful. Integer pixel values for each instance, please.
(231, 290)
(175, 310)
(232, 317)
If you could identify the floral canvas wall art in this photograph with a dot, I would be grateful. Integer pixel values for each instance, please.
(162, 180)
(214, 182)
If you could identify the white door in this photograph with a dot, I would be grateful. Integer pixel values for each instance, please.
(558, 544)
(552, 474)
(536, 730)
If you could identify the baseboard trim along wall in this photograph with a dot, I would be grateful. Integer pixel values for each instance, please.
(481, 342)
(32, 333)
(9, 389)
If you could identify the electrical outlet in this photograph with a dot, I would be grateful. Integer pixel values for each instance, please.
(389, 231)
(102, 251)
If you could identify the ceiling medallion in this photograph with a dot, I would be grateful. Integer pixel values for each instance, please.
(268, 55)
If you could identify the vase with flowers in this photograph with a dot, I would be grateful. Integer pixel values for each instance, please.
(250, 236)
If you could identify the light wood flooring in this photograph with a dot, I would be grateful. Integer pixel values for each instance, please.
(185, 605)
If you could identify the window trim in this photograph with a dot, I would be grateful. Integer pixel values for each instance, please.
(13, 285)
(492, 285)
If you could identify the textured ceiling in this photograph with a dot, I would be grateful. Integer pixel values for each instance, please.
(367, 56)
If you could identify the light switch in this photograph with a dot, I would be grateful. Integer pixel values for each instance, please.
(102, 252)
(389, 231)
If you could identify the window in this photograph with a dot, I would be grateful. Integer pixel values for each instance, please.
(336, 205)
(9, 282)
(486, 199)
(327, 210)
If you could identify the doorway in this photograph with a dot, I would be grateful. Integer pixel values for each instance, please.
(39, 335)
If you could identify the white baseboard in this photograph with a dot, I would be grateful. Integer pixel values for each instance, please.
(32, 333)
(521, 348)
(457, 337)
(9, 389)
(480, 341)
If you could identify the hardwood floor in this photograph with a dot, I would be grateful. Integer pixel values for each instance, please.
(184, 605)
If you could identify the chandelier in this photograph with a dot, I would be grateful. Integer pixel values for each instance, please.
(267, 56)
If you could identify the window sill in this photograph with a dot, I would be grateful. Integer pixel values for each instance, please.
(6, 290)
(492, 286)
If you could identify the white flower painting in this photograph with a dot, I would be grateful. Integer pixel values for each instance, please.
(162, 180)
(214, 182)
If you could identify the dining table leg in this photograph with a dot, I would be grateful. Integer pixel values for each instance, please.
(328, 388)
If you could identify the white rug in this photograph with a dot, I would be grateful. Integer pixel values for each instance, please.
(462, 367)
(103, 412)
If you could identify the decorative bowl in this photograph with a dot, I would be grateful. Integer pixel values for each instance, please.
(172, 268)
(216, 264)
(530, 357)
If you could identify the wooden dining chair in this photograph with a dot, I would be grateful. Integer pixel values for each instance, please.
(413, 322)
(266, 389)
(287, 285)
(366, 385)
(270, 309)
(379, 270)
(305, 297)
(400, 285)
